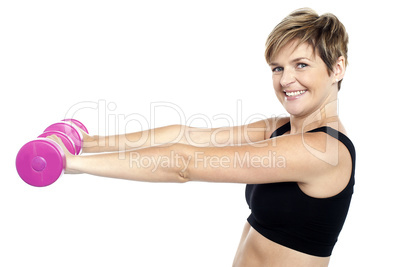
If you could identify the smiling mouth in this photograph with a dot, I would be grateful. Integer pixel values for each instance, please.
(295, 93)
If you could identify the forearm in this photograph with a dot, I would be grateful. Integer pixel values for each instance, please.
(153, 164)
(136, 140)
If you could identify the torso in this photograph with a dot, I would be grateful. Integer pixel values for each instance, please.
(256, 250)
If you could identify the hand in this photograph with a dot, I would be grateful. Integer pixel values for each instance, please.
(88, 141)
(69, 157)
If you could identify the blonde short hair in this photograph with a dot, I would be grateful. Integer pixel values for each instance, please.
(325, 33)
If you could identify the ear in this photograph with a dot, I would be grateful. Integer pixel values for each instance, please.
(339, 69)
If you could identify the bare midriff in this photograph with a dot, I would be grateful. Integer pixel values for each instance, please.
(256, 250)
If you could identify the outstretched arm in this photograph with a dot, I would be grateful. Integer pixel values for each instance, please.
(282, 159)
(153, 164)
(135, 140)
(225, 136)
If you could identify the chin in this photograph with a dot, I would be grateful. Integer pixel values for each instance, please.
(294, 109)
(296, 113)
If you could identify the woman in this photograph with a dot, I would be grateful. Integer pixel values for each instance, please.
(299, 204)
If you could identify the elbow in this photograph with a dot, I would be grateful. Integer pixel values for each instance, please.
(182, 177)
(183, 162)
(167, 163)
(183, 173)
(175, 175)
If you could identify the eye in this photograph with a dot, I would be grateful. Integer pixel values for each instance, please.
(277, 69)
(301, 65)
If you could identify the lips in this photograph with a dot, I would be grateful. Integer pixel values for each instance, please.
(293, 95)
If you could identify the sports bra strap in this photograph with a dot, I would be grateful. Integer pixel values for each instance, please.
(339, 136)
(328, 130)
(281, 130)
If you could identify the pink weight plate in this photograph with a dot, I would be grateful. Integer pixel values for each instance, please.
(78, 124)
(71, 131)
(68, 143)
(40, 162)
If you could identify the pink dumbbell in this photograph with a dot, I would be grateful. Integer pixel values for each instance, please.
(42, 161)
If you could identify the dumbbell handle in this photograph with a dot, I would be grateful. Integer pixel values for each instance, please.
(71, 131)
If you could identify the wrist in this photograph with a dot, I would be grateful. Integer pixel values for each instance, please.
(90, 144)
(72, 164)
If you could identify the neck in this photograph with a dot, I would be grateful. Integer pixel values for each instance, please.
(324, 116)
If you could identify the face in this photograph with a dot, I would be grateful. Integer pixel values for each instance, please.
(301, 80)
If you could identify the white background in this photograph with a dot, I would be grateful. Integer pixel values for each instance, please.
(206, 57)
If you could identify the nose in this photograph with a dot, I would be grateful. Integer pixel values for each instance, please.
(287, 78)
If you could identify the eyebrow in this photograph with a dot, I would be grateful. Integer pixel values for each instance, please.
(293, 60)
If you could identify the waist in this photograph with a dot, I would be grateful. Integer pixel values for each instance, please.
(257, 250)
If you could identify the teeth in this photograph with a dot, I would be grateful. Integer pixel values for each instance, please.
(295, 93)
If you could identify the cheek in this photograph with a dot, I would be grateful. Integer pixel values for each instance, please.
(278, 88)
(313, 81)
(276, 82)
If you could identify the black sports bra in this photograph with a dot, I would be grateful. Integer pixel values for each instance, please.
(286, 215)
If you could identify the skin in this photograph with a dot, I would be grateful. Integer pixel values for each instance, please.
(198, 151)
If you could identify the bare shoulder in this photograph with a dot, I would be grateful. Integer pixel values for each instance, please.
(315, 160)
(336, 157)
